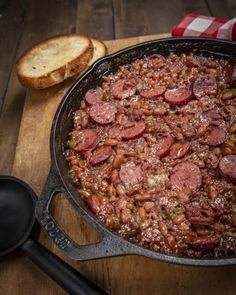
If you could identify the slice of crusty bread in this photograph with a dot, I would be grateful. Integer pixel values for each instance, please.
(52, 61)
(99, 50)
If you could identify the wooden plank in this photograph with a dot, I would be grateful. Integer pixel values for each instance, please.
(11, 20)
(232, 6)
(220, 8)
(44, 19)
(95, 18)
(148, 17)
(122, 275)
(196, 6)
(114, 45)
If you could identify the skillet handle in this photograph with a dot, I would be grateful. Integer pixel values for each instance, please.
(110, 245)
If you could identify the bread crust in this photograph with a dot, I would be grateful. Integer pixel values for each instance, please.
(68, 70)
(102, 44)
(104, 50)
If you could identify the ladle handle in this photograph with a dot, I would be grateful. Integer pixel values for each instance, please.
(67, 277)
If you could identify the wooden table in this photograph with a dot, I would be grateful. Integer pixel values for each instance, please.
(123, 275)
(24, 148)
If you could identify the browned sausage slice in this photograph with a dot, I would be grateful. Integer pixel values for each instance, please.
(192, 62)
(186, 177)
(229, 73)
(163, 145)
(231, 76)
(122, 89)
(93, 203)
(201, 220)
(103, 113)
(179, 150)
(100, 155)
(213, 117)
(178, 96)
(134, 131)
(205, 86)
(86, 139)
(227, 167)
(216, 136)
(131, 174)
(93, 96)
(153, 93)
(203, 243)
(200, 216)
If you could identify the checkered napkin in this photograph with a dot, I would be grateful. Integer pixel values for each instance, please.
(205, 26)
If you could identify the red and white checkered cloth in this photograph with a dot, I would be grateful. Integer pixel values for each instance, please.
(205, 26)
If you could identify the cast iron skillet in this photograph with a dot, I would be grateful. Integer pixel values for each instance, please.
(58, 179)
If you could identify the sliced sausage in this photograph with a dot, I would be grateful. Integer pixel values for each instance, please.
(179, 150)
(227, 167)
(205, 86)
(153, 93)
(192, 62)
(163, 145)
(178, 96)
(230, 75)
(213, 117)
(93, 203)
(134, 131)
(93, 96)
(201, 220)
(216, 136)
(203, 243)
(233, 78)
(122, 89)
(100, 155)
(186, 177)
(131, 174)
(199, 216)
(86, 139)
(103, 113)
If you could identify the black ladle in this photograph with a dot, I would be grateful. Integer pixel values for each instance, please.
(17, 218)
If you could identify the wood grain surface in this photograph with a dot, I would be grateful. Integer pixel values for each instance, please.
(95, 14)
(38, 26)
(124, 275)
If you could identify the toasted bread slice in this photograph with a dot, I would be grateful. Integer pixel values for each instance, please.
(52, 61)
(99, 50)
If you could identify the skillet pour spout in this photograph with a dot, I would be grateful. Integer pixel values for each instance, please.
(58, 179)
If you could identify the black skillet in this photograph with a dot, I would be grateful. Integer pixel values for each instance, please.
(17, 218)
(59, 180)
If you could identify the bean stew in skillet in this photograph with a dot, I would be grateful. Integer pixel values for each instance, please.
(153, 152)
